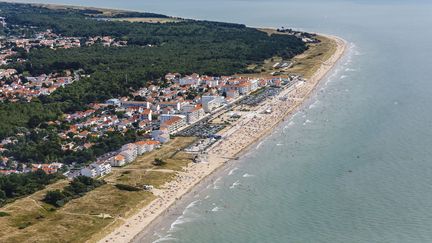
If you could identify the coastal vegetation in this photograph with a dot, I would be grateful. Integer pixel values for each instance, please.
(44, 145)
(305, 64)
(78, 187)
(15, 186)
(158, 162)
(153, 50)
(99, 210)
(82, 210)
(127, 187)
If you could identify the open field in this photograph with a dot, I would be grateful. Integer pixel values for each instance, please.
(310, 61)
(305, 64)
(272, 31)
(106, 12)
(31, 220)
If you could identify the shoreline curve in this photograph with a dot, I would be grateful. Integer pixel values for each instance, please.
(236, 144)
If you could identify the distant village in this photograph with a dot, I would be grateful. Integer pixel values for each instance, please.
(157, 112)
(16, 86)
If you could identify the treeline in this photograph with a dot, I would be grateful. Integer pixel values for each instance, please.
(18, 185)
(78, 187)
(16, 116)
(138, 15)
(43, 145)
(189, 46)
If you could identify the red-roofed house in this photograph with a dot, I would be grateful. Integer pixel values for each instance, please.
(174, 123)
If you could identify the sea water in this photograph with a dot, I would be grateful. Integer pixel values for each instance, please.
(355, 163)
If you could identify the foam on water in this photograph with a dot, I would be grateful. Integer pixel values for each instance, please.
(184, 218)
(179, 221)
(165, 238)
(306, 122)
(235, 184)
(192, 204)
(215, 183)
(232, 171)
(215, 209)
(259, 145)
(313, 105)
(247, 175)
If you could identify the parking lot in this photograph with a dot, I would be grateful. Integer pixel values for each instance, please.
(260, 96)
(202, 129)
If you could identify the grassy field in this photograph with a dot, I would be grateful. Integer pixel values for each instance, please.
(105, 11)
(148, 20)
(305, 64)
(108, 13)
(309, 62)
(84, 219)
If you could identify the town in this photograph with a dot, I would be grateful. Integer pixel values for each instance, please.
(175, 105)
(157, 113)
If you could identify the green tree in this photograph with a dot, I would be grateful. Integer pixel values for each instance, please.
(158, 162)
(55, 198)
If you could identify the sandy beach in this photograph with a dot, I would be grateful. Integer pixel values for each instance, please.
(236, 139)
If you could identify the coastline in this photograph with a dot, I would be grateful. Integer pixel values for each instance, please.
(238, 139)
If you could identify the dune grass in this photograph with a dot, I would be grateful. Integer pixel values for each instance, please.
(305, 64)
(309, 62)
(87, 218)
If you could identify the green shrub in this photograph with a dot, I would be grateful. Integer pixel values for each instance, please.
(127, 187)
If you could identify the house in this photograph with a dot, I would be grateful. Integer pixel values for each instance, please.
(193, 113)
(232, 94)
(176, 105)
(118, 160)
(114, 102)
(129, 151)
(171, 76)
(165, 117)
(102, 168)
(174, 123)
(192, 80)
(47, 168)
(141, 147)
(151, 145)
(143, 104)
(210, 102)
(161, 135)
(89, 172)
(243, 87)
(147, 114)
(211, 83)
(253, 84)
(144, 125)
(146, 146)
(96, 169)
